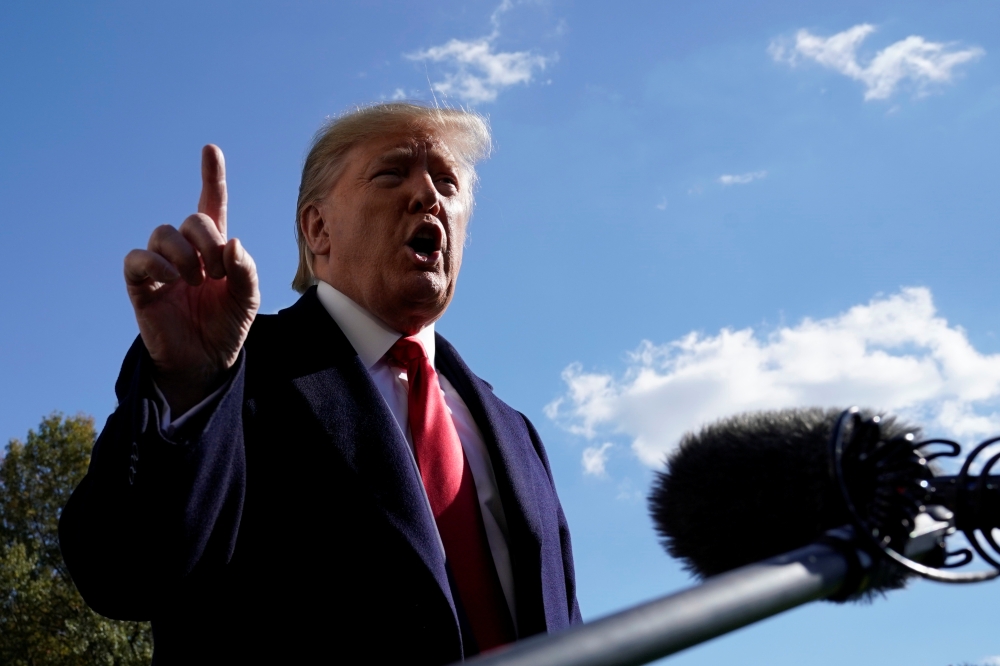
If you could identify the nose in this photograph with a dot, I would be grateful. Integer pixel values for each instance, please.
(425, 197)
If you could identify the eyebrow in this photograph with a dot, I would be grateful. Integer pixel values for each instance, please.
(395, 155)
(407, 153)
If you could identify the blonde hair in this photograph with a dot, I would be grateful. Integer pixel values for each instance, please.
(468, 139)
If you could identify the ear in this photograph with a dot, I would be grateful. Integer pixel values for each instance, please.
(314, 230)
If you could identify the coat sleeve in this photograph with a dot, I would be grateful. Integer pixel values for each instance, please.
(152, 510)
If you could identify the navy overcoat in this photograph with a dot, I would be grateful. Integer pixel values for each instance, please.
(289, 523)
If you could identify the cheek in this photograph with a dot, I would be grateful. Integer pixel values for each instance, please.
(455, 255)
(379, 230)
(459, 227)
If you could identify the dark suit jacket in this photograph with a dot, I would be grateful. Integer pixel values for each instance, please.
(289, 523)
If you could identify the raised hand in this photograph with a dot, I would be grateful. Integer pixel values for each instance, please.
(194, 293)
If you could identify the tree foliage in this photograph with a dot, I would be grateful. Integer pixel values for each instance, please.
(43, 619)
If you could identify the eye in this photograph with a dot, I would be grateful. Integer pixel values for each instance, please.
(388, 176)
(447, 184)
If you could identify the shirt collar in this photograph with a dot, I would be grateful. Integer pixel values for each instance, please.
(368, 334)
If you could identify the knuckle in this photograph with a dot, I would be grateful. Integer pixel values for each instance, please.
(162, 231)
(136, 265)
(200, 225)
(161, 236)
(136, 259)
(196, 220)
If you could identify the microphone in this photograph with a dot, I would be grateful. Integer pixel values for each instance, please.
(755, 485)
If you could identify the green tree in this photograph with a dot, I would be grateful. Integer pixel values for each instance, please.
(43, 619)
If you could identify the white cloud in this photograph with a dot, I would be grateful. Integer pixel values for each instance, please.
(915, 59)
(628, 492)
(990, 661)
(893, 353)
(480, 73)
(504, 7)
(595, 458)
(741, 179)
(477, 73)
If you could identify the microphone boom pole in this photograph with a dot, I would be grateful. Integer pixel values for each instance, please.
(721, 604)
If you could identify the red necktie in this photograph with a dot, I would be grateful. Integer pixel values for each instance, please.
(452, 494)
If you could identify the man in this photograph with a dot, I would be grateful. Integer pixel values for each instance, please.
(330, 483)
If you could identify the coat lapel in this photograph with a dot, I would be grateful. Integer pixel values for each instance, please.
(518, 472)
(330, 376)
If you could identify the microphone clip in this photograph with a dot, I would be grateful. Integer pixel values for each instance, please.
(900, 510)
(860, 563)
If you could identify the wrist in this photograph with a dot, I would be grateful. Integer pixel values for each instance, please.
(184, 390)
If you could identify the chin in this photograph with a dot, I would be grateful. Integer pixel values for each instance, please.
(424, 286)
(424, 297)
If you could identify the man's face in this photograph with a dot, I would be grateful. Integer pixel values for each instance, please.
(396, 220)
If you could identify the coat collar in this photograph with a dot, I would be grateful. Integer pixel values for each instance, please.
(516, 471)
(331, 377)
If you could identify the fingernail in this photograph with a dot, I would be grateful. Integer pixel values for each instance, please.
(171, 274)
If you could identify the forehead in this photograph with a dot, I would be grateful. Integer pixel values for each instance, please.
(405, 145)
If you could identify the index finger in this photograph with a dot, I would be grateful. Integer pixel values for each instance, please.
(213, 186)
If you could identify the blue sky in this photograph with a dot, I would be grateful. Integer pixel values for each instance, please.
(692, 209)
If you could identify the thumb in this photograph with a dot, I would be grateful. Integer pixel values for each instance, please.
(241, 274)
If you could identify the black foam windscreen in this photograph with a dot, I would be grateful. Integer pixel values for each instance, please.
(754, 486)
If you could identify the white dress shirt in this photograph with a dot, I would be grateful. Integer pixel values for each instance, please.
(371, 338)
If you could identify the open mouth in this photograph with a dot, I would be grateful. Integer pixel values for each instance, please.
(426, 241)
(423, 245)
